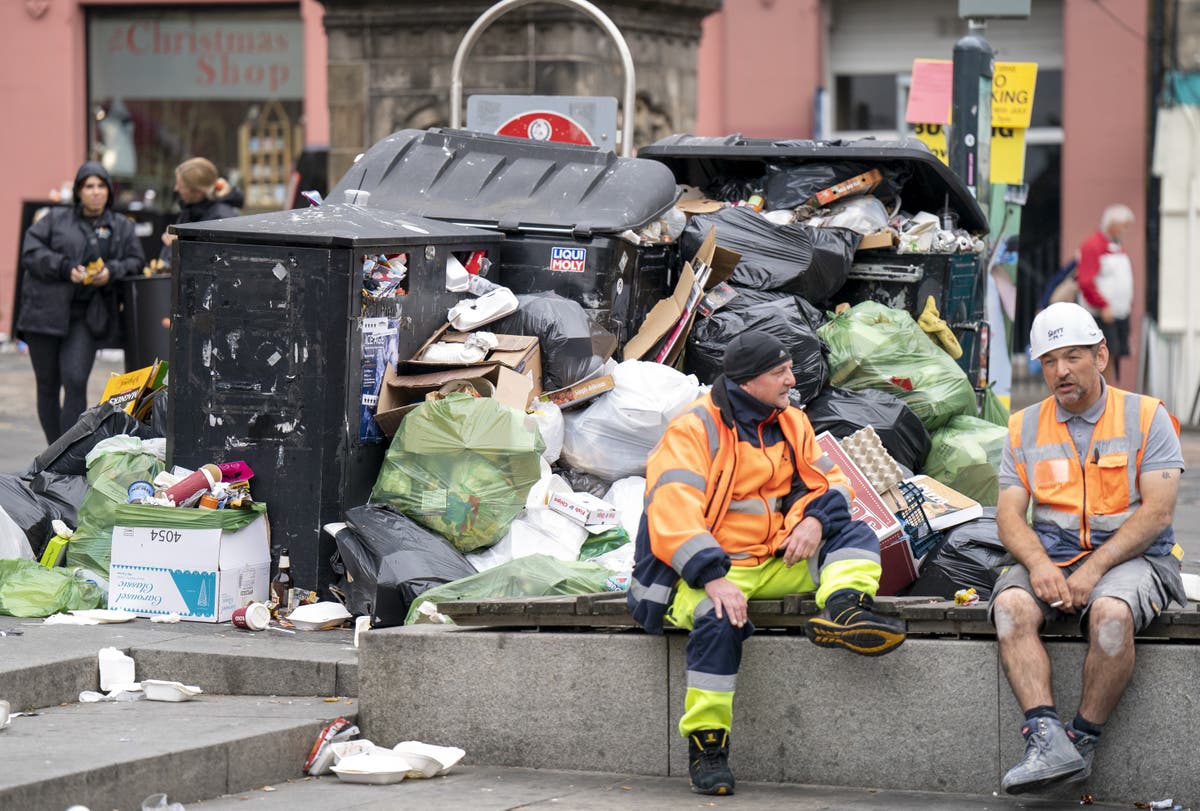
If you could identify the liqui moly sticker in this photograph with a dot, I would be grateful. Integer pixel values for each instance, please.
(568, 260)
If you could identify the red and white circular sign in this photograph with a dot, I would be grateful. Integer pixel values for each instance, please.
(545, 125)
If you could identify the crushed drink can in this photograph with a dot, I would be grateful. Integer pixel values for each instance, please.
(618, 582)
(140, 490)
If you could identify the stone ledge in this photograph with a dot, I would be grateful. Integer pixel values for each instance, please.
(936, 715)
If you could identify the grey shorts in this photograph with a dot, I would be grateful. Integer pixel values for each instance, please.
(1146, 584)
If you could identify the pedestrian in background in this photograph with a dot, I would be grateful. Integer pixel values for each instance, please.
(1105, 277)
(203, 195)
(69, 305)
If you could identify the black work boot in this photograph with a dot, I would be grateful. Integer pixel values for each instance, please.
(708, 761)
(848, 622)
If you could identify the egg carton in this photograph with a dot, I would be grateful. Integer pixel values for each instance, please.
(867, 451)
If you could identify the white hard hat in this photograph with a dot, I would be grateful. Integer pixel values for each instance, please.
(1063, 323)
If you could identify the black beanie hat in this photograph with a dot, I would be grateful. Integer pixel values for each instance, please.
(752, 353)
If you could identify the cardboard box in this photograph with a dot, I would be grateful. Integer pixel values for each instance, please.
(879, 239)
(895, 554)
(579, 393)
(521, 353)
(201, 574)
(584, 508)
(666, 314)
(859, 184)
(400, 394)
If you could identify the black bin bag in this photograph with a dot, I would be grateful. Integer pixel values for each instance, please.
(391, 560)
(68, 453)
(28, 511)
(811, 262)
(785, 317)
(970, 556)
(791, 185)
(61, 494)
(841, 412)
(569, 342)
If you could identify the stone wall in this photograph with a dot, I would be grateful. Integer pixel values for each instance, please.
(390, 60)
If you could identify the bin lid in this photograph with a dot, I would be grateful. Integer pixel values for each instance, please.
(698, 160)
(511, 184)
(334, 225)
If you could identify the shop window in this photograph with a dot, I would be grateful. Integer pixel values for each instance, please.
(169, 84)
(866, 102)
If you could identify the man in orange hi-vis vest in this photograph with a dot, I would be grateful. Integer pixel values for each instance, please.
(1101, 469)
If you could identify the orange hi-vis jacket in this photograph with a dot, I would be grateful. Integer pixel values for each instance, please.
(710, 492)
(1077, 507)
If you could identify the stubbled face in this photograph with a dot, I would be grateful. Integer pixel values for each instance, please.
(1073, 374)
(93, 196)
(186, 193)
(771, 387)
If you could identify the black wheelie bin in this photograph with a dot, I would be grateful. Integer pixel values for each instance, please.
(717, 165)
(561, 208)
(269, 353)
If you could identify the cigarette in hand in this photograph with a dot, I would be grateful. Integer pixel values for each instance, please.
(1056, 604)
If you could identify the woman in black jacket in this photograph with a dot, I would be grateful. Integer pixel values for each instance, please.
(203, 196)
(69, 304)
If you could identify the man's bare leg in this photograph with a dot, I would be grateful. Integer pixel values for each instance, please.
(1110, 658)
(1022, 654)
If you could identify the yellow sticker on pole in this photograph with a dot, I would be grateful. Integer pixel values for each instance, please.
(1013, 84)
(1008, 155)
(934, 137)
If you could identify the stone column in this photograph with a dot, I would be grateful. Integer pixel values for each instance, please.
(389, 63)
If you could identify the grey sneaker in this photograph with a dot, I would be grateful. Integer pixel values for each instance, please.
(1085, 745)
(1049, 757)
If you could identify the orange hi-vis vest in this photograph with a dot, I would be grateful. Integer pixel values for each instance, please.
(1077, 507)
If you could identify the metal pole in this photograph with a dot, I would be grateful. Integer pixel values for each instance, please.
(505, 6)
(969, 142)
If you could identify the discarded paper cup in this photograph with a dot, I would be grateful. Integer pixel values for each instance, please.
(252, 617)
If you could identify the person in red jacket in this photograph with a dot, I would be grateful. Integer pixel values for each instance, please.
(741, 502)
(1105, 277)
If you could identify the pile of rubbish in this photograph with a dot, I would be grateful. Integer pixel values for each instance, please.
(517, 435)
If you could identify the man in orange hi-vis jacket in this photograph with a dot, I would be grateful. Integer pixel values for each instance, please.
(742, 503)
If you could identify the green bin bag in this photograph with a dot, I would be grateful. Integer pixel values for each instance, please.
(876, 347)
(113, 465)
(994, 410)
(966, 455)
(530, 576)
(28, 589)
(462, 466)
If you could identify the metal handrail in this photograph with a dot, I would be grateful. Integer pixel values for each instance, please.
(505, 6)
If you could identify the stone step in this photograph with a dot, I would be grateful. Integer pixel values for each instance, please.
(49, 665)
(113, 755)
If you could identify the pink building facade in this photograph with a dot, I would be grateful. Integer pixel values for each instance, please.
(181, 94)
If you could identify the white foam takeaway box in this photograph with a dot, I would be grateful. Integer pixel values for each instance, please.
(200, 574)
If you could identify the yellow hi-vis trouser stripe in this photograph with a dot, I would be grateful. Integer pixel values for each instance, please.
(710, 709)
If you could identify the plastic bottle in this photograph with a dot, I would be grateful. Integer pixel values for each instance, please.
(188, 489)
(282, 585)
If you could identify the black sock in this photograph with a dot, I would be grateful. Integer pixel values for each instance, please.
(1044, 711)
(1081, 724)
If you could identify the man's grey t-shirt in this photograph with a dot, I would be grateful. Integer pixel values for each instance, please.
(1163, 451)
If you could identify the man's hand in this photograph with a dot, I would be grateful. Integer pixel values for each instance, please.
(1082, 581)
(102, 278)
(1106, 315)
(78, 274)
(1051, 587)
(727, 599)
(802, 542)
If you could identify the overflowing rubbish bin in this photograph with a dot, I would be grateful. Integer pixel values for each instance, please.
(282, 322)
(864, 186)
(572, 216)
